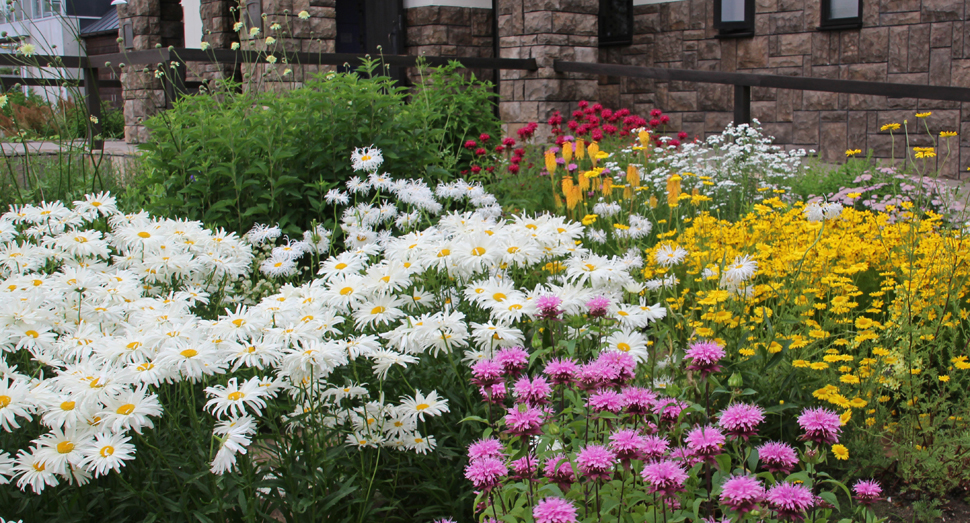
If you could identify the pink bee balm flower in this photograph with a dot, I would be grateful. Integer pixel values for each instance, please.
(668, 409)
(741, 420)
(535, 392)
(558, 470)
(867, 491)
(513, 359)
(548, 306)
(561, 371)
(790, 501)
(595, 374)
(705, 441)
(627, 444)
(655, 447)
(554, 510)
(523, 420)
(525, 468)
(639, 401)
(622, 363)
(820, 425)
(494, 393)
(664, 477)
(606, 400)
(704, 357)
(485, 448)
(486, 373)
(777, 457)
(595, 462)
(598, 306)
(742, 493)
(485, 473)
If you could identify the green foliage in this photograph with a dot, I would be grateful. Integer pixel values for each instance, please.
(67, 175)
(236, 159)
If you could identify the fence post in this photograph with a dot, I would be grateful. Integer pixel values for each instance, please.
(742, 104)
(92, 99)
(174, 82)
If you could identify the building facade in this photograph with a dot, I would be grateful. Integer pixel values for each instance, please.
(906, 41)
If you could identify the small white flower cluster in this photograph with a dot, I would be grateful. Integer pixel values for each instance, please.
(822, 211)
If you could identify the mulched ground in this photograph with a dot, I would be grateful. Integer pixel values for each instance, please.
(899, 510)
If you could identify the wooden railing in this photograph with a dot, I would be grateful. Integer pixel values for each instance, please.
(172, 61)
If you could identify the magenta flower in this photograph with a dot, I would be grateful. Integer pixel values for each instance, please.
(664, 477)
(742, 493)
(606, 400)
(598, 307)
(485, 473)
(741, 420)
(548, 306)
(494, 393)
(820, 425)
(513, 359)
(535, 392)
(554, 510)
(595, 462)
(595, 374)
(485, 448)
(559, 471)
(639, 401)
(668, 409)
(704, 357)
(705, 441)
(524, 420)
(561, 371)
(627, 444)
(867, 491)
(790, 501)
(777, 457)
(525, 468)
(486, 373)
(622, 363)
(655, 446)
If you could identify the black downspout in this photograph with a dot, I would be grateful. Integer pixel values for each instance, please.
(496, 52)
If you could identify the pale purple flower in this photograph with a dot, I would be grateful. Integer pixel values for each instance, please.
(820, 425)
(790, 501)
(606, 400)
(559, 471)
(741, 420)
(561, 371)
(627, 444)
(485, 448)
(595, 462)
(704, 357)
(867, 491)
(524, 420)
(554, 510)
(535, 392)
(598, 306)
(705, 441)
(513, 359)
(548, 306)
(485, 473)
(742, 493)
(777, 457)
(664, 477)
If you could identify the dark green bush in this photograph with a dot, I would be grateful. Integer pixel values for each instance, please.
(235, 159)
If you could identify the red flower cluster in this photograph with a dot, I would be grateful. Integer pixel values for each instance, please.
(597, 122)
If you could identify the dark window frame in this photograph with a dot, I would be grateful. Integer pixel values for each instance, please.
(739, 29)
(608, 22)
(838, 24)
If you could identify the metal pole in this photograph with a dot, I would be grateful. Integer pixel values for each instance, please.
(742, 104)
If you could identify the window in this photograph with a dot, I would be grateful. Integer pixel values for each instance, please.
(841, 14)
(734, 18)
(616, 22)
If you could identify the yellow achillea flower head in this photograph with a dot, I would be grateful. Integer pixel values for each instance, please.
(890, 127)
(947, 134)
(923, 115)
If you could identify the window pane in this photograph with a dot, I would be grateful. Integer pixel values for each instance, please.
(844, 8)
(733, 10)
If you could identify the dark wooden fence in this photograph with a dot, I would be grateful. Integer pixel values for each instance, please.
(172, 62)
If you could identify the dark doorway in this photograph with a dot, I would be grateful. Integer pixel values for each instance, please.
(350, 26)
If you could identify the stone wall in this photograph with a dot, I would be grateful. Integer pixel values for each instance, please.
(546, 30)
(906, 41)
(459, 32)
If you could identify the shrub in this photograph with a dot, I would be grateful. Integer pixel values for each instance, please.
(238, 159)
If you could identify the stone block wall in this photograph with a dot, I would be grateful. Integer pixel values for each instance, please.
(546, 30)
(458, 32)
(906, 41)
